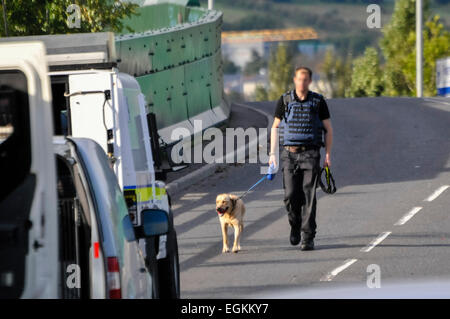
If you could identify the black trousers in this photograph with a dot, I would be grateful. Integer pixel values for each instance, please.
(300, 179)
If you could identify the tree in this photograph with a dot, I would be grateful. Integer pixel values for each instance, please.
(396, 47)
(280, 71)
(366, 76)
(345, 79)
(261, 93)
(229, 67)
(33, 17)
(329, 70)
(256, 63)
(337, 73)
(436, 44)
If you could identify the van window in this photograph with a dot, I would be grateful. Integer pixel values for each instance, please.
(74, 232)
(117, 218)
(136, 130)
(60, 105)
(15, 145)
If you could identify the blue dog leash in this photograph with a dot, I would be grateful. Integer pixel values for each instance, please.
(330, 189)
(263, 178)
(269, 176)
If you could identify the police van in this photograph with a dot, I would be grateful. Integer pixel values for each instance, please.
(64, 224)
(92, 99)
(28, 201)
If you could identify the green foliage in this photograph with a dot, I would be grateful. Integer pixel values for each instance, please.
(280, 71)
(366, 76)
(36, 17)
(403, 21)
(261, 94)
(397, 77)
(394, 45)
(436, 44)
(394, 80)
(256, 63)
(229, 67)
(337, 72)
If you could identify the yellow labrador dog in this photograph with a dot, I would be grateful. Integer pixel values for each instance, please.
(231, 212)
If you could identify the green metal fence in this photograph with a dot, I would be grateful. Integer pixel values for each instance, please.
(175, 54)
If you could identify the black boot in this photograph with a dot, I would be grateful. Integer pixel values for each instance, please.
(295, 236)
(307, 244)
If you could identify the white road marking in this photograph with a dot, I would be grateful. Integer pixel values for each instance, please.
(437, 101)
(382, 236)
(408, 216)
(193, 196)
(376, 241)
(436, 193)
(334, 272)
(176, 206)
(276, 192)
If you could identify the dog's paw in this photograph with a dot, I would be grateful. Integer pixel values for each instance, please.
(225, 250)
(236, 249)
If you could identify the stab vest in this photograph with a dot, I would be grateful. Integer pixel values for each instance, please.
(301, 124)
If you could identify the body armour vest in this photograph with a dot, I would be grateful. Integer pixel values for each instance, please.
(301, 124)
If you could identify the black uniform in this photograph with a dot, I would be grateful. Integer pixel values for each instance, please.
(300, 178)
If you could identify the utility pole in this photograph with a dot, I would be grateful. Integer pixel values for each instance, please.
(4, 17)
(210, 4)
(419, 49)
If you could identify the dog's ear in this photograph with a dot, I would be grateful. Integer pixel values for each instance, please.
(219, 197)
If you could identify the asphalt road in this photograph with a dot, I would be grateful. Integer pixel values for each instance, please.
(389, 156)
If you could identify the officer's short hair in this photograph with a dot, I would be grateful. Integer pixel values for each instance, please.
(304, 69)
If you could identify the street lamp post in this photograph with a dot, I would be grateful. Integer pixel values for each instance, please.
(419, 49)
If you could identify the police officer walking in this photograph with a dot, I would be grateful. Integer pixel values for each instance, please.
(301, 116)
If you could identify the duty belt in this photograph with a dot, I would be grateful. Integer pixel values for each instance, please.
(299, 148)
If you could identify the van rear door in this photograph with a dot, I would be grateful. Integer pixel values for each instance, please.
(28, 209)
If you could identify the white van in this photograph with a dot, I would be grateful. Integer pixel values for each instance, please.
(92, 99)
(65, 231)
(99, 253)
(108, 107)
(28, 212)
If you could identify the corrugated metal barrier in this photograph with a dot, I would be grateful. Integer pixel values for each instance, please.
(175, 54)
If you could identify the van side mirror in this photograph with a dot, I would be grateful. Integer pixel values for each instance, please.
(128, 229)
(155, 222)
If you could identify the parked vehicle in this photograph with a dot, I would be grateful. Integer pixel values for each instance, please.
(65, 230)
(96, 235)
(92, 99)
(28, 202)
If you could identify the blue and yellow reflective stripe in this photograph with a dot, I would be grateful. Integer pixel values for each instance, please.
(145, 193)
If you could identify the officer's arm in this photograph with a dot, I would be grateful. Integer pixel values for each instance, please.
(274, 134)
(328, 135)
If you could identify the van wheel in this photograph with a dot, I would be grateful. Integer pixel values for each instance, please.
(152, 264)
(161, 175)
(169, 269)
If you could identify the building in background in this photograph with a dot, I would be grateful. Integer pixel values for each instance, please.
(239, 48)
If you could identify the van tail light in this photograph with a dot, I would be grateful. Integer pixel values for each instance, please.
(113, 278)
